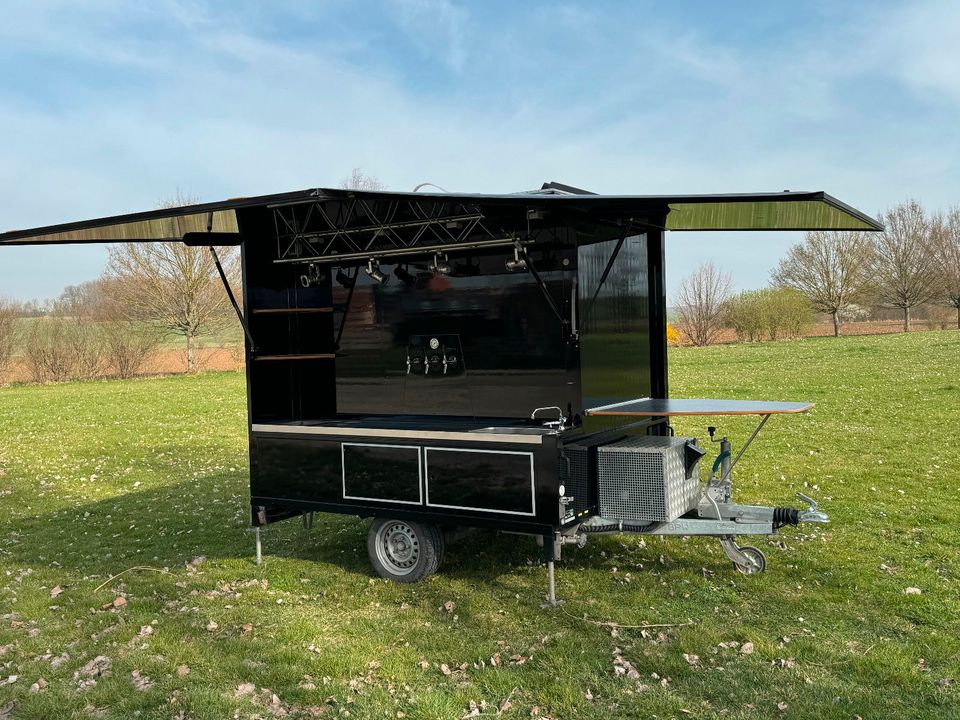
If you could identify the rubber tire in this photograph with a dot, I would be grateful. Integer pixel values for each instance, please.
(430, 540)
(755, 554)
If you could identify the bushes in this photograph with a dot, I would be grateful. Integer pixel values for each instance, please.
(128, 345)
(674, 339)
(8, 329)
(771, 314)
(58, 348)
(938, 317)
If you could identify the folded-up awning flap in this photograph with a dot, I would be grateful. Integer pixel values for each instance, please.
(165, 224)
(124, 229)
(755, 211)
(789, 211)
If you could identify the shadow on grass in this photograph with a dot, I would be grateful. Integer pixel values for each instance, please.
(166, 522)
(168, 525)
(476, 556)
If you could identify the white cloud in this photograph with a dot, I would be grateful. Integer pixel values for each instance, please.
(438, 27)
(916, 43)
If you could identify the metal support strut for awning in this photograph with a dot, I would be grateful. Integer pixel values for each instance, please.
(609, 266)
(226, 286)
(542, 285)
(233, 300)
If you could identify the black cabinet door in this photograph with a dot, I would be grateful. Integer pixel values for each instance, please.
(498, 481)
(387, 473)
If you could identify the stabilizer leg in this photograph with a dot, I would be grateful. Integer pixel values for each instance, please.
(551, 550)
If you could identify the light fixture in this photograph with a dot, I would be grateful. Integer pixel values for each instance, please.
(438, 266)
(517, 263)
(405, 276)
(313, 276)
(345, 280)
(373, 270)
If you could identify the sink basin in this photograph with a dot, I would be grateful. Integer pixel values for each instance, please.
(516, 430)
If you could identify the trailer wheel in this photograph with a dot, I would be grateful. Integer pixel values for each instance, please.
(758, 558)
(404, 551)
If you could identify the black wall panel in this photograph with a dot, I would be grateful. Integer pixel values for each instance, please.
(614, 325)
(512, 349)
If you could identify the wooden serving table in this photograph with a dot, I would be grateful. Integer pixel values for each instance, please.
(656, 407)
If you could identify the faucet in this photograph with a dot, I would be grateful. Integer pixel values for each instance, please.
(560, 423)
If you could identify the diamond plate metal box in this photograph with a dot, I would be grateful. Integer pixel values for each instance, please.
(645, 478)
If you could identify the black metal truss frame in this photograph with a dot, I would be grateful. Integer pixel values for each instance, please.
(358, 228)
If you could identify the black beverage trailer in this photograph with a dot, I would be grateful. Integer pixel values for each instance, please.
(439, 360)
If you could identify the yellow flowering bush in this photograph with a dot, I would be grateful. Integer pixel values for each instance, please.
(674, 338)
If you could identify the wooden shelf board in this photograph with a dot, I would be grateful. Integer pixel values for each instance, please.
(310, 356)
(278, 311)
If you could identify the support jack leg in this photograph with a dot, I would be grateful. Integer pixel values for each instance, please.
(551, 588)
(551, 553)
(259, 545)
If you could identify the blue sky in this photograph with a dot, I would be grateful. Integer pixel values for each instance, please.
(108, 106)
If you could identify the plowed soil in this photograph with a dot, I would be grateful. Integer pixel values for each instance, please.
(164, 362)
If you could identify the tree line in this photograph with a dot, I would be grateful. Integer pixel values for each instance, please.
(913, 262)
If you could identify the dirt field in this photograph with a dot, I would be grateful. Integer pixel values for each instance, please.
(164, 362)
(878, 327)
(175, 361)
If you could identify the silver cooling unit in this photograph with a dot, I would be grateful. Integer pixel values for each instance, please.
(648, 478)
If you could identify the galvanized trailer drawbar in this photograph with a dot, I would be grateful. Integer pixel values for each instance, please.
(442, 360)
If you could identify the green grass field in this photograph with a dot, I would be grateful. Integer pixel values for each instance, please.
(100, 477)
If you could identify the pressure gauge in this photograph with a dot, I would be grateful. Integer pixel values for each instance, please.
(434, 343)
(563, 491)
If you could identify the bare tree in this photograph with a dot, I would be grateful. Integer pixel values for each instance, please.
(172, 284)
(946, 246)
(832, 268)
(8, 333)
(67, 341)
(702, 300)
(904, 265)
(124, 341)
(359, 180)
(85, 301)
